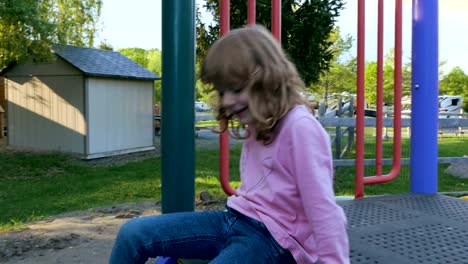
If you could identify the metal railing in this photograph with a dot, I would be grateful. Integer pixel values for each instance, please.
(456, 124)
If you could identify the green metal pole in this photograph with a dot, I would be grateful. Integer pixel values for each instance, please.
(178, 113)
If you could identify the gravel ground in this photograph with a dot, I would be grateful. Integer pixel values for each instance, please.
(205, 140)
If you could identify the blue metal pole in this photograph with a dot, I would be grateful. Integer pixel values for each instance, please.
(178, 99)
(424, 123)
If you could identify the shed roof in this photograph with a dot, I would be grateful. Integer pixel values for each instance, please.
(105, 63)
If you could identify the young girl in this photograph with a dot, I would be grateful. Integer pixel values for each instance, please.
(285, 210)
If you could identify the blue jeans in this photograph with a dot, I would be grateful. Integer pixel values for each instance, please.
(223, 237)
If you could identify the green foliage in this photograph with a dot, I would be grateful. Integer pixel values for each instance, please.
(62, 183)
(154, 64)
(455, 83)
(104, 45)
(138, 55)
(29, 27)
(151, 60)
(206, 35)
(340, 46)
(406, 79)
(75, 21)
(388, 79)
(306, 26)
(23, 28)
(306, 40)
(341, 75)
(204, 92)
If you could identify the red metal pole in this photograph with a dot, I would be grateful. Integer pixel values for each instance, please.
(379, 116)
(276, 19)
(251, 12)
(398, 82)
(224, 137)
(359, 188)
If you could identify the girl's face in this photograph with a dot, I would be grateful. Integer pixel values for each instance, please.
(236, 102)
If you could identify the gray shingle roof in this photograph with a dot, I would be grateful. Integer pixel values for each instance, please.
(95, 62)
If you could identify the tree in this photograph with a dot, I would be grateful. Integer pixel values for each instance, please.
(455, 83)
(388, 79)
(306, 26)
(341, 75)
(30, 27)
(371, 82)
(104, 45)
(204, 92)
(22, 25)
(154, 64)
(149, 59)
(138, 55)
(75, 21)
(406, 79)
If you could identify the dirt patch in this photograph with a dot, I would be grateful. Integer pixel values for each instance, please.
(79, 237)
(3, 144)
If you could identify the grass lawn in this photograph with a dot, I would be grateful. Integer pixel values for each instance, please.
(33, 186)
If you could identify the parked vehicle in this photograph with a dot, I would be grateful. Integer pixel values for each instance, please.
(201, 107)
(450, 106)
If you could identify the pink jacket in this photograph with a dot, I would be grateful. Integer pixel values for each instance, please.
(288, 185)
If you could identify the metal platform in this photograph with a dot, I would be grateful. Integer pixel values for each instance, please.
(407, 229)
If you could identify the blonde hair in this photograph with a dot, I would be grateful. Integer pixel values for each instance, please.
(250, 58)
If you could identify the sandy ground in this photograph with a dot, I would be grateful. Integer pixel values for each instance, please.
(78, 237)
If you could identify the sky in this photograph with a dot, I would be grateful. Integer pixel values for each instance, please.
(138, 24)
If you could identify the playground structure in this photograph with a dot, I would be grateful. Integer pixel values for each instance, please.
(419, 227)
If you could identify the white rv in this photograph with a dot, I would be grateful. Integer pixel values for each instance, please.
(450, 106)
(201, 107)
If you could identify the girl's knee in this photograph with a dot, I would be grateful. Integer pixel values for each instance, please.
(129, 230)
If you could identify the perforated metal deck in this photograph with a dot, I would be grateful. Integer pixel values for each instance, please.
(407, 229)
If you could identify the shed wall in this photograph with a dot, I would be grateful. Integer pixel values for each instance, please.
(120, 115)
(2, 93)
(46, 112)
(2, 106)
(57, 67)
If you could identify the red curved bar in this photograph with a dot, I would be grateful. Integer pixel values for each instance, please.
(397, 104)
(224, 137)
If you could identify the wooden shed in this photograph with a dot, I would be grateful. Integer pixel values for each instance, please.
(2, 107)
(92, 102)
